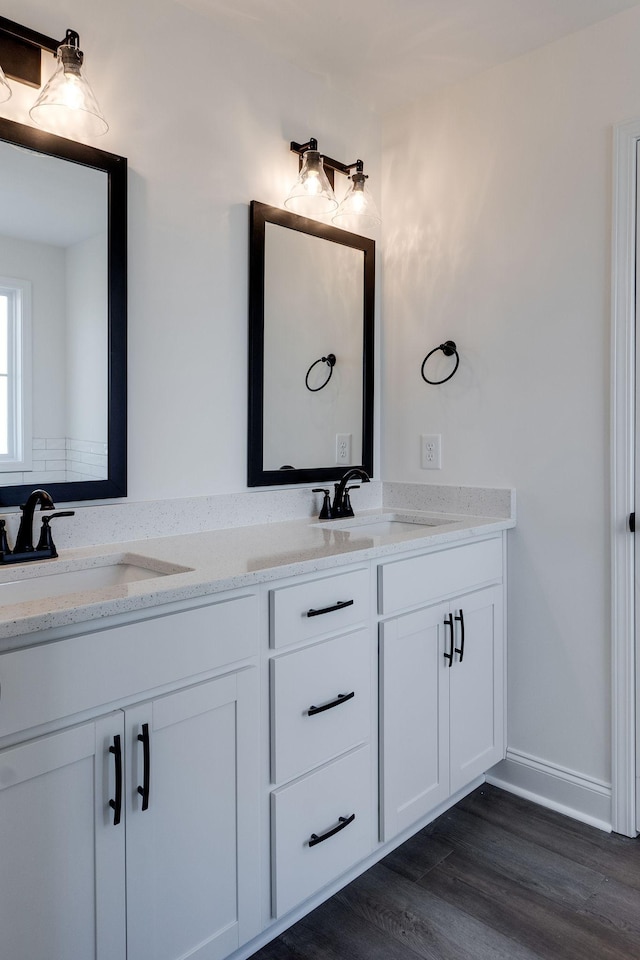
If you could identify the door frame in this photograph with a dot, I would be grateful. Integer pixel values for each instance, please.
(626, 137)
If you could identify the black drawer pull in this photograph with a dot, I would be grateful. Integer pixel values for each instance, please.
(342, 698)
(146, 759)
(337, 606)
(116, 805)
(460, 650)
(448, 622)
(343, 822)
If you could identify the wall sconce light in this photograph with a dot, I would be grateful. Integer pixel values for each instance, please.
(312, 193)
(66, 103)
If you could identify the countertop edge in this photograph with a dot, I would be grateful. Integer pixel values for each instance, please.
(32, 622)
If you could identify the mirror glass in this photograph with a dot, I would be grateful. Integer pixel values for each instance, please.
(62, 318)
(311, 349)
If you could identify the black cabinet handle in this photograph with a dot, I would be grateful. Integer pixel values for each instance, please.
(337, 606)
(448, 622)
(144, 789)
(342, 823)
(460, 650)
(342, 698)
(116, 805)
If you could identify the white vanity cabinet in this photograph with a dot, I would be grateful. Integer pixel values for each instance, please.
(320, 733)
(441, 678)
(181, 784)
(133, 834)
(438, 670)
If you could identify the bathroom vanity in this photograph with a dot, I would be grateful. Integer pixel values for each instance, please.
(188, 763)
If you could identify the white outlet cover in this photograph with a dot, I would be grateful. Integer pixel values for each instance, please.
(431, 451)
(343, 449)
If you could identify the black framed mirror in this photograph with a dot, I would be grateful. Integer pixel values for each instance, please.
(63, 318)
(311, 349)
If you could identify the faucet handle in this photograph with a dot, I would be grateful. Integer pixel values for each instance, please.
(4, 543)
(325, 512)
(46, 540)
(347, 509)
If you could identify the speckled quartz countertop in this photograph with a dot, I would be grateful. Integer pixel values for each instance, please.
(197, 564)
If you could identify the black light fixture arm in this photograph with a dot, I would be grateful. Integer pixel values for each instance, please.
(300, 148)
(32, 37)
(20, 50)
(329, 164)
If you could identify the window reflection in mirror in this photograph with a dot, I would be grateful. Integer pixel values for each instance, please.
(15, 376)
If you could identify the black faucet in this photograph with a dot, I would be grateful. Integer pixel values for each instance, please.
(24, 540)
(341, 506)
(24, 550)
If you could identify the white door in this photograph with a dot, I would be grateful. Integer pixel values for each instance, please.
(185, 752)
(62, 857)
(476, 687)
(414, 717)
(637, 490)
(625, 480)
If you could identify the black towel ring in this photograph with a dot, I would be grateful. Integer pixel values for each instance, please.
(448, 348)
(330, 360)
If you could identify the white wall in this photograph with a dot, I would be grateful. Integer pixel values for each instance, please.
(86, 339)
(497, 222)
(205, 122)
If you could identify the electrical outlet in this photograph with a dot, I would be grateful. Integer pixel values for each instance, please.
(343, 448)
(431, 451)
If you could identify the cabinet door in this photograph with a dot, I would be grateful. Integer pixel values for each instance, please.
(414, 716)
(62, 891)
(477, 687)
(185, 893)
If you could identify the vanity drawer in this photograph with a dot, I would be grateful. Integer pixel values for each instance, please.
(314, 805)
(419, 580)
(48, 682)
(334, 677)
(316, 607)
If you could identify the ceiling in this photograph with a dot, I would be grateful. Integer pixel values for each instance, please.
(395, 51)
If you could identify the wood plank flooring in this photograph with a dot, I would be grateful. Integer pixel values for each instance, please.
(494, 878)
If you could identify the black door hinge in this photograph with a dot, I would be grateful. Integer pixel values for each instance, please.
(632, 522)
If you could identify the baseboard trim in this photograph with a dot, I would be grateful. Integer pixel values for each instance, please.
(573, 794)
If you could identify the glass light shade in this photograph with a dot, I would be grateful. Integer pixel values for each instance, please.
(5, 89)
(312, 194)
(358, 209)
(66, 104)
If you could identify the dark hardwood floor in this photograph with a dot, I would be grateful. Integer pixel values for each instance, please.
(494, 878)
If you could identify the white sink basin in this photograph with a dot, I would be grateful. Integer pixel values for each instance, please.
(387, 528)
(385, 525)
(108, 572)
